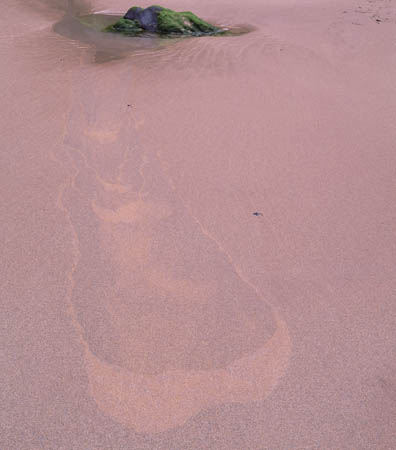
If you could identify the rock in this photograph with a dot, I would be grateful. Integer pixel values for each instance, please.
(163, 21)
(132, 13)
(147, 18)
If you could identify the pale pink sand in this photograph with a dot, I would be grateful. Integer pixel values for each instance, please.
(144, 305)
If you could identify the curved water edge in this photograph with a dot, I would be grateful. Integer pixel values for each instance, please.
(157, 403)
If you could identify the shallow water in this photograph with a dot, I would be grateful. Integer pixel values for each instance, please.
(106, 46)
(99, 21)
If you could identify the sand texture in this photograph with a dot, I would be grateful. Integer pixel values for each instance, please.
(144, 305)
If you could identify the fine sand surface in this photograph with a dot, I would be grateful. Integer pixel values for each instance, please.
(144, 305)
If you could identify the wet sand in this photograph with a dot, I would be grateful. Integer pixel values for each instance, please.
(145, 306)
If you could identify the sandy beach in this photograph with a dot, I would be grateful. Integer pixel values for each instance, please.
(198, 235)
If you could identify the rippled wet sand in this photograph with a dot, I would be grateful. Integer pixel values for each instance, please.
(146, 306)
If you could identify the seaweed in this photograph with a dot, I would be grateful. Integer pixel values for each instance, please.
(172, 22)
(125, 26)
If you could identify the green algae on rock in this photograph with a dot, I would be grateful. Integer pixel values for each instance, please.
(162, 21)
(125, 26)
(183, 23)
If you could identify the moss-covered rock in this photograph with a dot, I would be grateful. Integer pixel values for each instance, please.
(126, 26)
(163, 21)
(183, 23)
